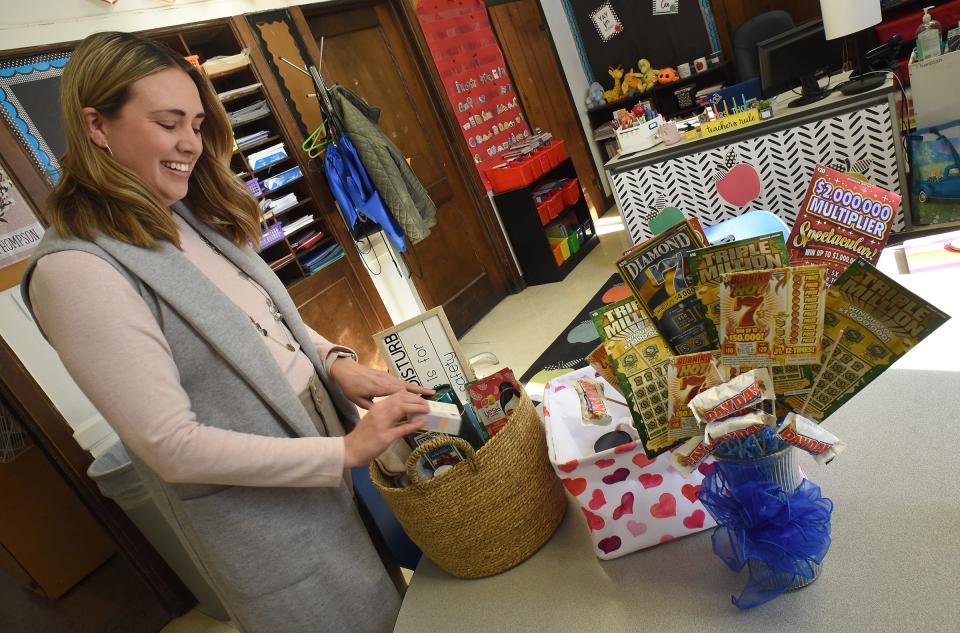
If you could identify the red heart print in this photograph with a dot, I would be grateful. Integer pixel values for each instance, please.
(694, 521)
(625, 448)
(648, 480)
(604, 463)
(568, 467)
(616, 476)
(625, 507)
(609, 544)
(546, 412)
(597, 500)
(636, 527)
(559, 388)
(665, 508)
(641, 460)
(707, 469)
(690, 492)
(594, 522)
(575, 486)
(666, 538)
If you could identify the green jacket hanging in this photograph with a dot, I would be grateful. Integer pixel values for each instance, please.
(405, 196)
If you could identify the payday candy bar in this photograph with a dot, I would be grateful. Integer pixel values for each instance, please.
(736, 428)
(745, 391)
(686, 457)
(811, 437)
(593, 406)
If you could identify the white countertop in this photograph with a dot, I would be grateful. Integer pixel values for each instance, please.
(894, 564)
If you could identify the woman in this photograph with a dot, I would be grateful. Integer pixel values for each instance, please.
(232, 408)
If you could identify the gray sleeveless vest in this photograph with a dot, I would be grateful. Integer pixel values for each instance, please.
(283, 560)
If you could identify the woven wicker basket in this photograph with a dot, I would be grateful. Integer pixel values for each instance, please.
(491, 511)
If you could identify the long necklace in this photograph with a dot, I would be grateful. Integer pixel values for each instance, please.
(275, 312)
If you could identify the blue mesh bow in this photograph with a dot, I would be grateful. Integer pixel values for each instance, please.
(781, 537)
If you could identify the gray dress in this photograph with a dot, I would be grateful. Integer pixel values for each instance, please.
(282, 560)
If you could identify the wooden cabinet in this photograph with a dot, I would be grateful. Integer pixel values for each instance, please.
(530, 236)
(334, 296)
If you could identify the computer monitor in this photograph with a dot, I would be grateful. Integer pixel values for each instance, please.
(797, 57)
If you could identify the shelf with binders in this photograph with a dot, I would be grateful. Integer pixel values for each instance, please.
(289, 209)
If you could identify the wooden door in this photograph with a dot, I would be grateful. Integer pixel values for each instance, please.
(535, 68)
(366, 50)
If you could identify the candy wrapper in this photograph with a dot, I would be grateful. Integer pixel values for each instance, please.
(870, 322)
(744, 393)
(628, 501)
(687, 457)
(654, 272)
(738, 427)
(772, 317)
(593, 406)
(708, 265)
(687, 376)
(841, 219)
(639, 356)
(810, 437)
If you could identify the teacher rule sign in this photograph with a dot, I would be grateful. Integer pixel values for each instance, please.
(841, 218)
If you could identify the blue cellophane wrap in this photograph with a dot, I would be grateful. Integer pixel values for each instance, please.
(781, 537)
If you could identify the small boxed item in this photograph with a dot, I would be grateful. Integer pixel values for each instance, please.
(268, 156)
(494, 398)
(443, 418)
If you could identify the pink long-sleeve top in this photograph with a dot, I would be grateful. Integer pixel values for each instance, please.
(113, 348)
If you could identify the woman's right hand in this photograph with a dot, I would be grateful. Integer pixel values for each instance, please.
(384, 422)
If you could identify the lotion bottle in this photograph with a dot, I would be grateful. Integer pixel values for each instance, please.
(928, 37)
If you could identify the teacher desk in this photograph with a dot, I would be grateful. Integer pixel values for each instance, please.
(893, 566)
(767, 165)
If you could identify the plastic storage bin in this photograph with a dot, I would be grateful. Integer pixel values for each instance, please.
(117, 479)
(571, 192)
(515, 175)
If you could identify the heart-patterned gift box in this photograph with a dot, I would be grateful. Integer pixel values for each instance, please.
(629, 501)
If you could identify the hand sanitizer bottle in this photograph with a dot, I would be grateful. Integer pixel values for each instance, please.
(928, 37)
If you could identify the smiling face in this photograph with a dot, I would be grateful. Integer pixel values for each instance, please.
(156, 133)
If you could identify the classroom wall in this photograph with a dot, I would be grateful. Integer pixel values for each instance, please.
(55, 21)
(566, 46)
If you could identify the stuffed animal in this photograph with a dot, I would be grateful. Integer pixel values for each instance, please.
(613, 94)
(648, 76)
(594, 96)
(667, 76)
(631, 83)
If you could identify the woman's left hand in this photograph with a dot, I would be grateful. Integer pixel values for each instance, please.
(362, 384)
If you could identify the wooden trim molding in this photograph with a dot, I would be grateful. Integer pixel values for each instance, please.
(54, 437)
(406, 13)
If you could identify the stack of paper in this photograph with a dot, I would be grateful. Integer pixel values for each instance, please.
(250, 139)
(297, 225)
(268, 156)
(274, 207)
(323, 258)
(253, 111)
(223, 63)
(227, 95)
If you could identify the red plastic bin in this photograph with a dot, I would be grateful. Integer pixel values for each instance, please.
(543, 210)
(558, 152)
(571, 192)
(513, 176)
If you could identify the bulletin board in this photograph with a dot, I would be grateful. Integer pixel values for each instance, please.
(30, 107)
(474, 75)
(620, 32)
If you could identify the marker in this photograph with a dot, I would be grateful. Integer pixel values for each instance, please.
(726, 111)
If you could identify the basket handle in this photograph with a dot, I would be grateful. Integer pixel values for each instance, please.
(433, 444)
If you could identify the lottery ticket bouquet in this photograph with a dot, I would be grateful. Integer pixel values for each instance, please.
(769, 339)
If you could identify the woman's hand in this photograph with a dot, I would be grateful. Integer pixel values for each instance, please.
(362, 384)
(385, 422)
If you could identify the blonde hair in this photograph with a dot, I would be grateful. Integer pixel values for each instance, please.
(96, 194)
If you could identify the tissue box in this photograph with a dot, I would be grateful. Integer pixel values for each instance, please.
(630, 501)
